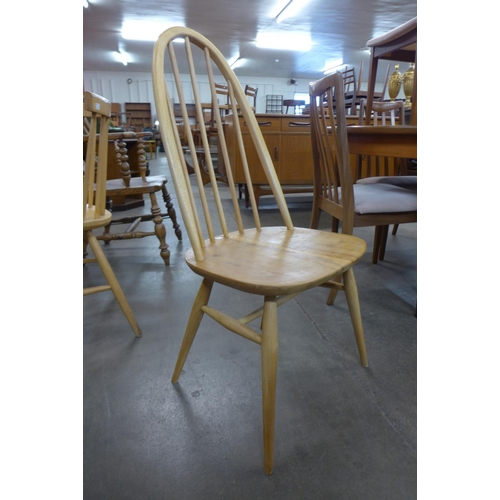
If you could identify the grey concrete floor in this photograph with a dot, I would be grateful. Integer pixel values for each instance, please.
(342, 431)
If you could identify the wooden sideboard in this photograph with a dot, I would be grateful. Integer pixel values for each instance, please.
(288, 139)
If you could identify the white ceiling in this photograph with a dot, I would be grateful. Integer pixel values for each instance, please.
(338, 28)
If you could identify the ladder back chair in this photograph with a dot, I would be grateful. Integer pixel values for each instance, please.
(97, 112)
(252, 93)
(350, 89)
(230, 246)
(353, 204)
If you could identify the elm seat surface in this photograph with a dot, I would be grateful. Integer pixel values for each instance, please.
(276, 261)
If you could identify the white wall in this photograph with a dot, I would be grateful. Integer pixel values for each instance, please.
(114, 87)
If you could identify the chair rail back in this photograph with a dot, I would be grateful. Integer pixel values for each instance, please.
(97, 113)
(202, 58)
(332, 167)
(383, 113)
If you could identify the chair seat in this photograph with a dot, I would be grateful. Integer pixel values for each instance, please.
(90, 221)
(376, 198)
(275, 261)
(152, 183)
(405, 181)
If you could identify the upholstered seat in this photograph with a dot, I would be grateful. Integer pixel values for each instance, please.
(404, 181)
(381, 197)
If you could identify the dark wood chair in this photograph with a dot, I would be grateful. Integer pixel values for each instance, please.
(252, 93)
(142, 185)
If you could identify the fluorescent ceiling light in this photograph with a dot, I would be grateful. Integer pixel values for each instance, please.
(291, 9)
(284, 41)
(332, 66)
(148, 31)
(122, 57)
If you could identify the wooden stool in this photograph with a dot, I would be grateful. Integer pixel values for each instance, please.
(152, 148)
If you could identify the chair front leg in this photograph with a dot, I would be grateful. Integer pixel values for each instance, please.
(351, 292)
(192, 327)
(269, 354)
(160, 230)
(171, 211)
(113, 282)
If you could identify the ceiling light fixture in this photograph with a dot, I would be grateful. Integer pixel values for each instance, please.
(284, 41)
(122, 57)
(291, 9)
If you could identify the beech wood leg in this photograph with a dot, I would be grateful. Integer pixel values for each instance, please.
(333, 292)
(269, 354)
(113, 282)
(351, 292)
(160, 231)
(85, 244)
(192, 327)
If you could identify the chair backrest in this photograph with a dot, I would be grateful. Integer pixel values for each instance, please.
(199, 56)
(252, 92)
(97, 113)
(332, 166)
(381, 111)
(350, 88)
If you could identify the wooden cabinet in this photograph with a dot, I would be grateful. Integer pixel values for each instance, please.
(288, 140)
(140, 114)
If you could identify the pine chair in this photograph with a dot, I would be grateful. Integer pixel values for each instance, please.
(275, 263)
(353, 204)
(95, 216)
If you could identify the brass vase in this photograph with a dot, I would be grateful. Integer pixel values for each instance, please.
(408, 84)
(395, 83)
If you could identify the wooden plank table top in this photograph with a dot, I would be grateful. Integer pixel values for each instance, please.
(383, 140)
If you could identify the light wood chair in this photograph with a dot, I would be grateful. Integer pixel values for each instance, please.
(275, 263)
(95, 215)
(143, 185)
(335, 193)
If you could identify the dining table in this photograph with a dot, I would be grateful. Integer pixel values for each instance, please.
(383, 140)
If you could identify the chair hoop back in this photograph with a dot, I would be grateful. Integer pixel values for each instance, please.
(202, 63)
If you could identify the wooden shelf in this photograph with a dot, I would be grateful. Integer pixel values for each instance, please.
(140, 114)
